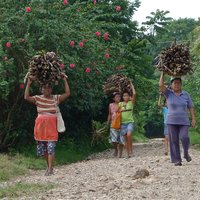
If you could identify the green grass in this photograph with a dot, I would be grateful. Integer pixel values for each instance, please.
(195, 138)
(23, 189)
(10, 168)
(137, 137)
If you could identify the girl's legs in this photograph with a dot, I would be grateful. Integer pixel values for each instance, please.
(130, 142)
(50, 162)
(127, 145)
(115, 145)
(121, 147)
(46, 158)
(50, 152)
(114, 134)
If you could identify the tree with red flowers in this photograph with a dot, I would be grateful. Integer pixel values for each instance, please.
(93, 38)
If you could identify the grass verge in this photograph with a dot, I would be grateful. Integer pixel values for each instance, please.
(23, 189)
(137, 137)
(10, 168)
(195, 139)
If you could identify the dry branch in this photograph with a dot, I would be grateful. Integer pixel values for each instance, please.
(175, 60)
(117, 83)
(45, 68)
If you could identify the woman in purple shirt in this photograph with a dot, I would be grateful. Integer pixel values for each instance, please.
(179, 102)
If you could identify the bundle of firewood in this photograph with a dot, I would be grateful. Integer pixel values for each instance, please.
(45, 68)
(117, 83)
(175, 60)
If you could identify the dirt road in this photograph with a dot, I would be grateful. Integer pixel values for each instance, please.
(103, 177)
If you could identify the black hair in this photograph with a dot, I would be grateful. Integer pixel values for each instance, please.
(126, 91)
(115, 93)
(42, 85)
(176, 78)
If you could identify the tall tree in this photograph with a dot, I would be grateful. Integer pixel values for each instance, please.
(156, 22)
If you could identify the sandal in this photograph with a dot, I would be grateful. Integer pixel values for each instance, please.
(49, 172)
(178, 164)
(188, 158)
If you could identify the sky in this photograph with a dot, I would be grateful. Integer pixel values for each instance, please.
(177, 8)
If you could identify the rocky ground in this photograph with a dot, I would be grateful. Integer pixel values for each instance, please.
(103, 177)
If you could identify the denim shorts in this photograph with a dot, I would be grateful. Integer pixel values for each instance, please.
(127, 127)
(45, 147)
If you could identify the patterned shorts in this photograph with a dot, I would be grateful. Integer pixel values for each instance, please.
(115, 136)
(44, 148)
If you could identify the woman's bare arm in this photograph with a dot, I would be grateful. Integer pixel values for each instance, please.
(162, 83)
(27, 92)
(133, 98)
(64, 96)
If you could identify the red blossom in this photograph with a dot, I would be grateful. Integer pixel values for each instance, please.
(118, 8)
(97, 33)
(71, 65)
(8, 44)
(21, 86)
(105, 36)
(107, 55)
(81, 44)
(62, 66)
(94, 2)
(72, 43)
(28, 9)
(87, 70)
(65, 2)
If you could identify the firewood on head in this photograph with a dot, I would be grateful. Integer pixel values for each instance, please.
(45, 68)
(175, 60)
(117, 83)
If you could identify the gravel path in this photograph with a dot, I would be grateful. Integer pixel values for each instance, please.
(103, 177)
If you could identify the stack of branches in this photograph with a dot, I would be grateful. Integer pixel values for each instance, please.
(175, 60)
(45, 68)
(117, 83)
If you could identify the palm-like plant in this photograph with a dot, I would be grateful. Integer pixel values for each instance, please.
(157, 21)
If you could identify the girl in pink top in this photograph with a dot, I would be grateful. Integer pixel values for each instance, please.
(115, 136)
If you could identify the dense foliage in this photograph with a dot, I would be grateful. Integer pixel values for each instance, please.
(94, 39)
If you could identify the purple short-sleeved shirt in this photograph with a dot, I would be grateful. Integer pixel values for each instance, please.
(178, 107)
